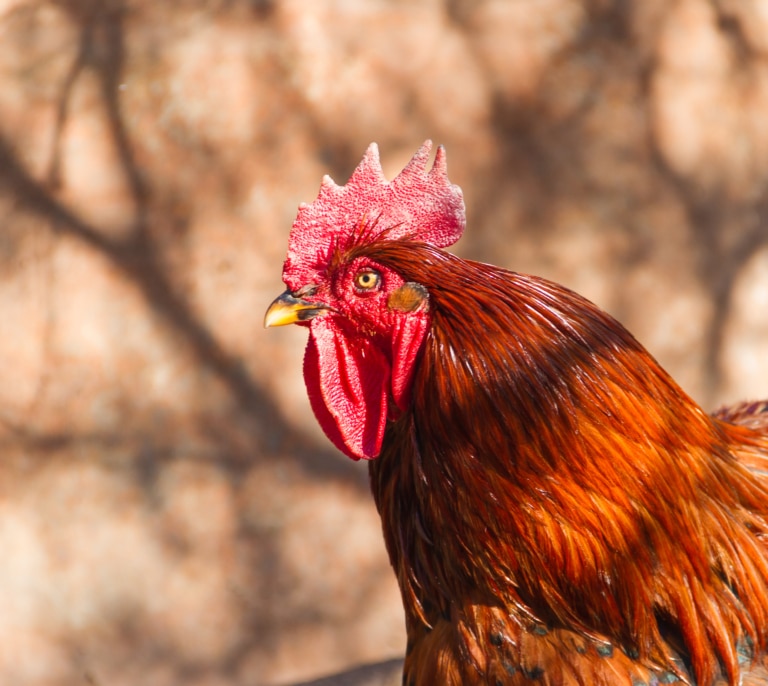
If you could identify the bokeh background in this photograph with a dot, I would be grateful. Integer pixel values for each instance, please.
(169, 512)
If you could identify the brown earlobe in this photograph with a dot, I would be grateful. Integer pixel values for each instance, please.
(409, 297)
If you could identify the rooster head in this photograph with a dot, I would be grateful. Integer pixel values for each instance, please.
(366, 322)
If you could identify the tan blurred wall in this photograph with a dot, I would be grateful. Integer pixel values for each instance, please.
(169, 512)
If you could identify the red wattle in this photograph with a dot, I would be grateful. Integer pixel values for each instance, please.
(407, 334)
(347, 379)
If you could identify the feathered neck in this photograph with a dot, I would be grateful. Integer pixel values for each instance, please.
(550, 467)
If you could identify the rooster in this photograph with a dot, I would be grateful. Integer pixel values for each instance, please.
(556, 509)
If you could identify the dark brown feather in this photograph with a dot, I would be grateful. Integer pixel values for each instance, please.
(555, 507)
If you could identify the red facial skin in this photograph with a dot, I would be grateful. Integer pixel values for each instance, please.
(361, 353)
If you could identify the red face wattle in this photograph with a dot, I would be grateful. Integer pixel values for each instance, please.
(366, 323)
(359, 360)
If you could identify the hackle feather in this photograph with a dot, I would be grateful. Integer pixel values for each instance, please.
(552, 480)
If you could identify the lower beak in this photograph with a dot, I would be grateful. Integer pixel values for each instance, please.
(287, 309)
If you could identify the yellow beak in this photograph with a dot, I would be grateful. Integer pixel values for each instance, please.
(287, 309)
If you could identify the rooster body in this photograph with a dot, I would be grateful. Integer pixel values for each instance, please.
(556, 509)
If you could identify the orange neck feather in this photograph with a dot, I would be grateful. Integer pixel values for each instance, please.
(550, 467)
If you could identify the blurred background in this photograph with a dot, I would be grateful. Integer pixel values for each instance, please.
(169, 511)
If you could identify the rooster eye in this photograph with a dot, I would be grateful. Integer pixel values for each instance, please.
(367, 280)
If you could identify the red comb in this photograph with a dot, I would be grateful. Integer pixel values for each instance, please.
(418, 203)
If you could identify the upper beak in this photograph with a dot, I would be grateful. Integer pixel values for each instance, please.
(287, 309)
